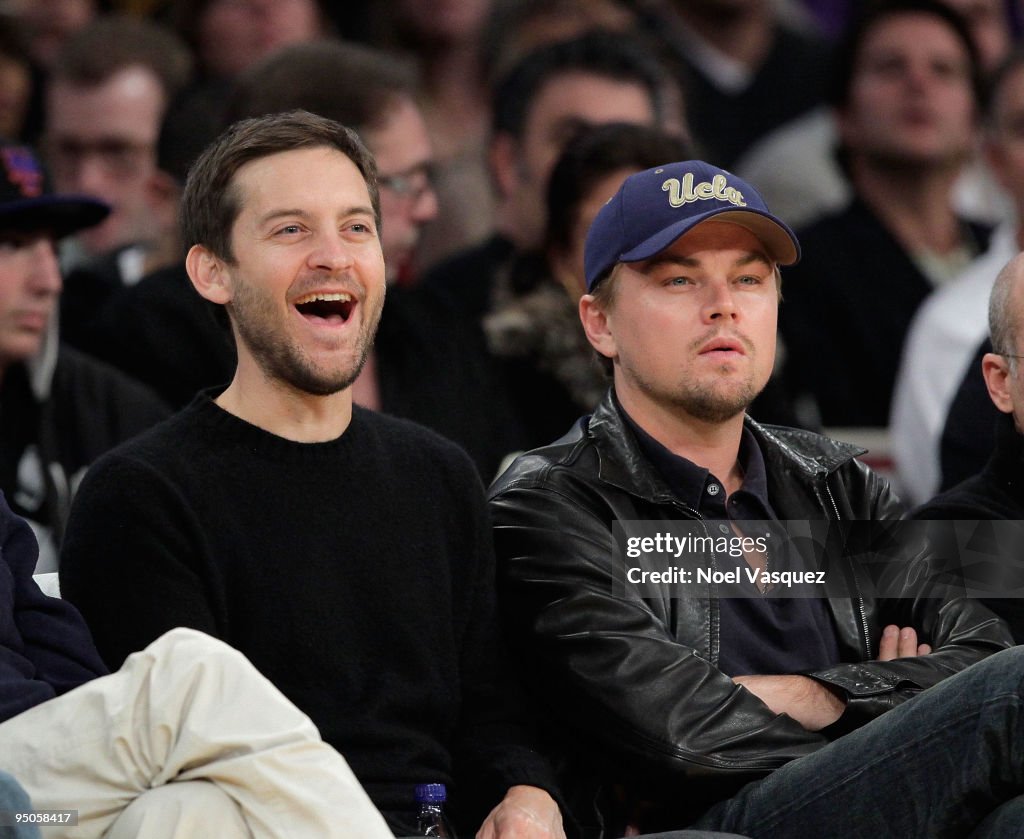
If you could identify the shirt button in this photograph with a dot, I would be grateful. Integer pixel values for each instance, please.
(713, 489)
(724, 528)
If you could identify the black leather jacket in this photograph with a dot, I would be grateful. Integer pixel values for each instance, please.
(635, 678)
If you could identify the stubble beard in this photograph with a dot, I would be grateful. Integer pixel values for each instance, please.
(711, 406)
(280, 357)
(713, 403)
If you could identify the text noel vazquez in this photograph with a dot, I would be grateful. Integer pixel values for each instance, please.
(733, 576)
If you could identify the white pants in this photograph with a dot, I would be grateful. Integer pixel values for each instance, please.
(190, 709)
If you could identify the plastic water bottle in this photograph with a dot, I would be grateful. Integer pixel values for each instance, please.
(430, 800)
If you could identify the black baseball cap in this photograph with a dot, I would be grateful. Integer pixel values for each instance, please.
(655, 207)
(27, 201)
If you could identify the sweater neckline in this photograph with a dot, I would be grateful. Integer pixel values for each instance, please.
(234, 432)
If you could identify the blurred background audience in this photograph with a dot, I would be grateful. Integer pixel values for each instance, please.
(860, 122)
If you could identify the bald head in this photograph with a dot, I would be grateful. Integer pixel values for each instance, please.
(1001, 368)
(1005, 306)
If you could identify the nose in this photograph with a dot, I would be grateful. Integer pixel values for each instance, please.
(330, 253)
(917, 75)
(425, 206)
(89, 177)
(720, 303)
(44, 276)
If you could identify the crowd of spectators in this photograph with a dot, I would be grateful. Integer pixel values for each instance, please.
(877, 139)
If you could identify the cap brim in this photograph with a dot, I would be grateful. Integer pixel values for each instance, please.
(59, 214)
(779, 241)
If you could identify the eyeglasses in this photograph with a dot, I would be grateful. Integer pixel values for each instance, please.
(119, 158)
(412, 184)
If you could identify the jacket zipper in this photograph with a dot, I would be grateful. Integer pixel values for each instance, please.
(860, 600)
(712, 642)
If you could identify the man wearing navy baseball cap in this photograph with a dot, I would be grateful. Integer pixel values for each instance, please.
(59, 409)
(684, 647)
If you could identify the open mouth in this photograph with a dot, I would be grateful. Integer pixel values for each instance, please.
(333, 307)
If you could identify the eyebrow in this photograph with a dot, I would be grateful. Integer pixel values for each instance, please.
(690, 262)
(296, 212)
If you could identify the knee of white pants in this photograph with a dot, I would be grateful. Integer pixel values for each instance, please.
(184, 638)
(179, 810)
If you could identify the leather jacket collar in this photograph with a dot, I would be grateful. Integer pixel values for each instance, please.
(786, 450)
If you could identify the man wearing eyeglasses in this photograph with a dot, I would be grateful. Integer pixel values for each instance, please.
(111, 86)
(406, 159)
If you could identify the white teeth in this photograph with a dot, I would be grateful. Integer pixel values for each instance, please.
(340, 296)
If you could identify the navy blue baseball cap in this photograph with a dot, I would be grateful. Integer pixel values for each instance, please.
(655, 207)
(27, 202)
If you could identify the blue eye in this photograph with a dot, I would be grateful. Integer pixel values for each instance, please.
(362, 228)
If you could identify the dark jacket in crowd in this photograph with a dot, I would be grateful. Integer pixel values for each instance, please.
(161, 332)
(789, 81)
(969, 432)
(847, 306)
(468, 277)
(45, 647)
(996, 493)
(58, 413)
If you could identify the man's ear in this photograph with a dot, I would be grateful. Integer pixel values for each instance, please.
(596, 326)
(996, 370)
(208, 274)
(503, 156)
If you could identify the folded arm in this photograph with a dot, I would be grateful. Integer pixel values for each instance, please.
(609, 661)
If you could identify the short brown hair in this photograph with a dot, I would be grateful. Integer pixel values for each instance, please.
(113, 43)
(210, 203)
(306, 76)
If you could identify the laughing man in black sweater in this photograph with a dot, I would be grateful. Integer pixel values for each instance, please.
(346, 553)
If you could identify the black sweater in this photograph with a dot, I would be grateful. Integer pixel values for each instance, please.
(356, 574)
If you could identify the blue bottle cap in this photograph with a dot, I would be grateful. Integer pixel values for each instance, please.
(431, 794)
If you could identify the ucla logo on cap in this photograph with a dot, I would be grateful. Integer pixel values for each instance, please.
(686, 192)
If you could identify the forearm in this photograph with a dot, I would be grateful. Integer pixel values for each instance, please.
(812, 704)
(606, 661)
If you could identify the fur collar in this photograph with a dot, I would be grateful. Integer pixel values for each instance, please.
(532, 318)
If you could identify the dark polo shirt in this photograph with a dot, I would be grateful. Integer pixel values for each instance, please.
(761, 633)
